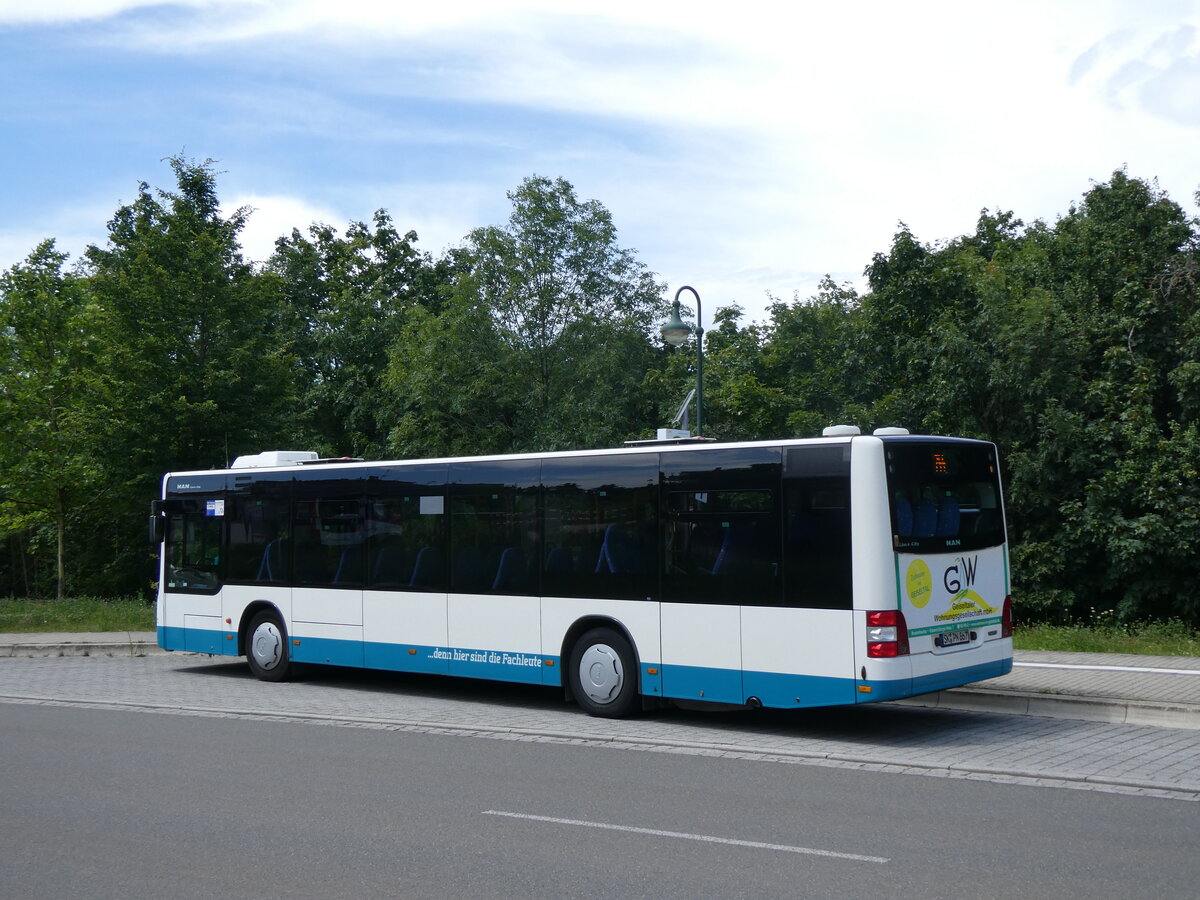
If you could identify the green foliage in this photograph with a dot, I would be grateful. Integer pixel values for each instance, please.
(1072, 347)
(47, 473)
(1166, 638)
(1075, 345)
(194, 361)
(76, 614)
(344, 302)
(542, 342)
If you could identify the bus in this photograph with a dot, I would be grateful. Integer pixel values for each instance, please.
(796, 573)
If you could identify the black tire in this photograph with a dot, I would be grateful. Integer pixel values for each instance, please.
(603, 674)
(267, 647)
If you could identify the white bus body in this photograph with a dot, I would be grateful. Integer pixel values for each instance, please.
(783, 574)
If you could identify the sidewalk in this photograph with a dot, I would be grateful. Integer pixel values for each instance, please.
(1100, 687)
(1096, 687)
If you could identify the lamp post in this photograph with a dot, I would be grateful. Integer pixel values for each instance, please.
(675, 332)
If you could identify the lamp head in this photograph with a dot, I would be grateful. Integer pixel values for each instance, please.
(676, 331)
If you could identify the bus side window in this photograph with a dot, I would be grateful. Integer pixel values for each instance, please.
(329, 534)
(494, 527)
(816, 547)
(259, 542)
(599, 526)
(721, 534)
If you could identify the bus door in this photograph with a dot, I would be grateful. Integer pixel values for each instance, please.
(189, 613)
(329, 567)
(721, 550)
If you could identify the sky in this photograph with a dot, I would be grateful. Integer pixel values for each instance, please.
(747, 150)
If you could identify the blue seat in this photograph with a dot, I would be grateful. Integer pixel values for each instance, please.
(560, 560)
(429, 569)
(949, 517)
(391, 563)
(273, 566)
(925, 519)
(619, 554)
(733, 546)
(512, 574)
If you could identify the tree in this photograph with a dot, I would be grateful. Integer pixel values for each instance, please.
(740, 402)
(568, 317)
(346, 300)
(196, 360)
(814, 353)
(46, 469)
(454, 383)
(1072, 346)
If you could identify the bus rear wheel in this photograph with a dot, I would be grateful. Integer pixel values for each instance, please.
(603, 674)
(267, 647)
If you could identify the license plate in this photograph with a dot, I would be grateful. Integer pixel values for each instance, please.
(953, 638)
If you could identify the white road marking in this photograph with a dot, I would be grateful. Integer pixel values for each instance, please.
(681, 835)
(1147, 670)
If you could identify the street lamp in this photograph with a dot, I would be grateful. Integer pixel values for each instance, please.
(675, 332)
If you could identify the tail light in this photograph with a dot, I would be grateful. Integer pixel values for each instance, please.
(887, 634)
(1006, 618)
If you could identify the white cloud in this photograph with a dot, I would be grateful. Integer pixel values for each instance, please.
(274, 216)
(751, 149)
(24, 12)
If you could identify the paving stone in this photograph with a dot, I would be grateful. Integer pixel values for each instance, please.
(882, 737)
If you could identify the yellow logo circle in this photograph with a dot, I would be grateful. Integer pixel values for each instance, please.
(919, 582)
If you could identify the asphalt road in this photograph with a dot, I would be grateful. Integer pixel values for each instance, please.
(116, 802)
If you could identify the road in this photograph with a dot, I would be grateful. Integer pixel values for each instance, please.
(182, 776)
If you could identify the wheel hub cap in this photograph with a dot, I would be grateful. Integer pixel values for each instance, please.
(601, 673)
(267, 645)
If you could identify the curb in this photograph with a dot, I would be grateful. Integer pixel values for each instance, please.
(1063, 706)
(107, 648)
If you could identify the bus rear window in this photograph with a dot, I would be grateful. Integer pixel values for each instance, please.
(944, 495)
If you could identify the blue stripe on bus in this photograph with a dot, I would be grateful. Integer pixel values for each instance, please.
(794, 691)
(652, 679)
(327, 650)
(937, 681)
(702, 683)
(772, 689)
(495, 665)
(940, 681)
(198, 640)
(403, 658)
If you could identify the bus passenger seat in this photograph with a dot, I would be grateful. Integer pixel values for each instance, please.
(429, 569)
(904, 517)
(925, 519)
(272, 566)
(948, 518)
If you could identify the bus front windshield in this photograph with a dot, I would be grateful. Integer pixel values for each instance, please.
(945, 496)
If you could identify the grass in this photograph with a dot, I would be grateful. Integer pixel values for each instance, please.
(1170, 638)
(76, 615)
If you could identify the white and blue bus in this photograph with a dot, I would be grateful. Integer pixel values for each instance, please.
(810, 572)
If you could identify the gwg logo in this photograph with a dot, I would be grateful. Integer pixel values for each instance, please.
(962, 571)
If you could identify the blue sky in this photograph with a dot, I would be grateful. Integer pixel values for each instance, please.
(745, 149)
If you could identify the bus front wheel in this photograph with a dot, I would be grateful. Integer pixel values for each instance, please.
(603, 674)
(267, 647)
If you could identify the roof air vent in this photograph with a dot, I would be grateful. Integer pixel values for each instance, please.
(887, 432)
(273, 458)
(841, 431)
